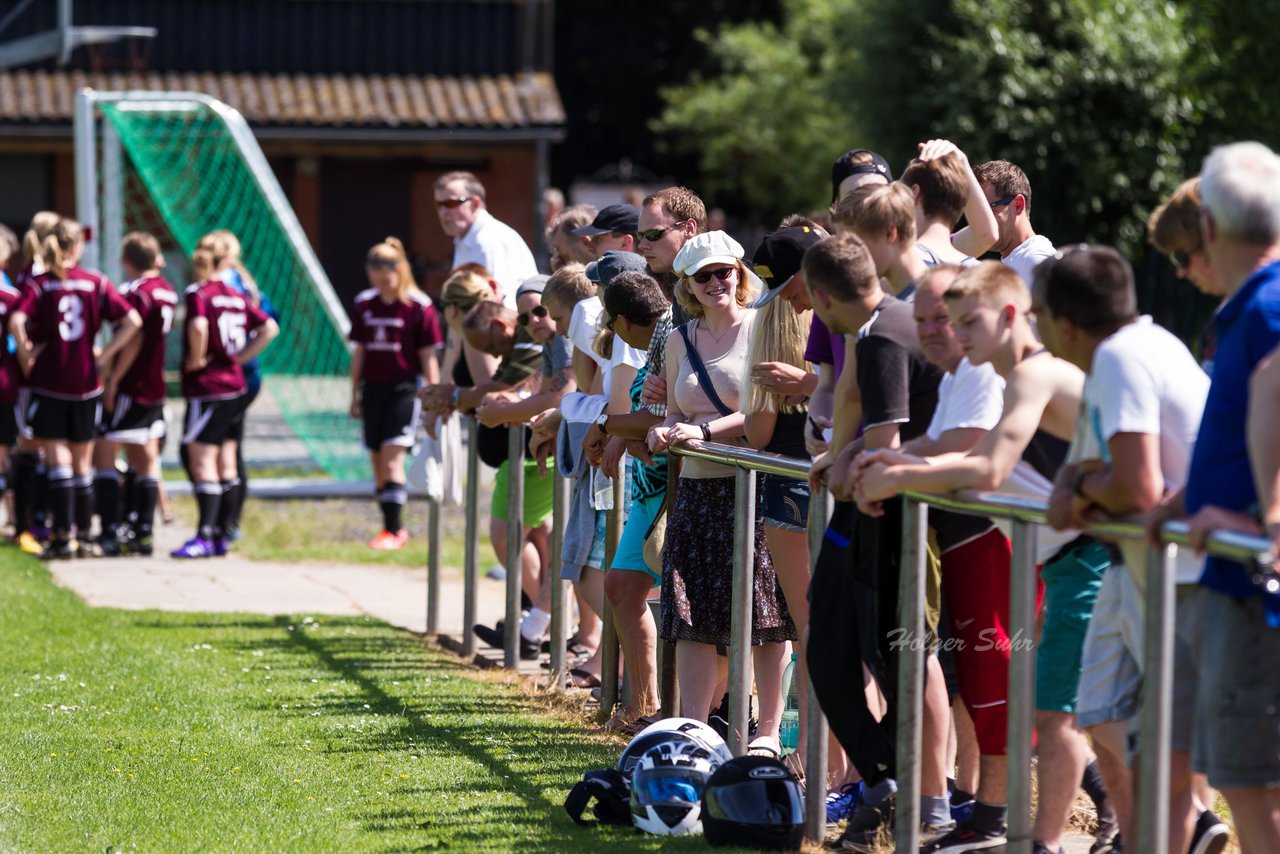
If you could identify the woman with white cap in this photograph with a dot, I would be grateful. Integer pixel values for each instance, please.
(706, 362)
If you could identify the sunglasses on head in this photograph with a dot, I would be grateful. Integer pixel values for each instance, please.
(381, 264)
(722, 274)
(524, 317)
(452, 203)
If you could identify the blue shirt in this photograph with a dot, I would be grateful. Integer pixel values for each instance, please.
(1248, 329)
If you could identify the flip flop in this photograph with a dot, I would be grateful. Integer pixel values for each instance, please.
(629, 726)
(765, 746)
(579, 678)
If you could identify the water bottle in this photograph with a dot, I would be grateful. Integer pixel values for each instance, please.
(601, 490)
(789, 730)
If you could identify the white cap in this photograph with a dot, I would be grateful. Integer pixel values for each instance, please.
(713, 247)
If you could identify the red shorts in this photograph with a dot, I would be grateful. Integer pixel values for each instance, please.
(975, 587)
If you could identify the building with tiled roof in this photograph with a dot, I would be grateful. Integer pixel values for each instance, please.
(358, 104)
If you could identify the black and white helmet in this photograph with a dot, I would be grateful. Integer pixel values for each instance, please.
(666, 788)
(673, 729)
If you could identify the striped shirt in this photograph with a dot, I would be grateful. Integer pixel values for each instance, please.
(657, 363)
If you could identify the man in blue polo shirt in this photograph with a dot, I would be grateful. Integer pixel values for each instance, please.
(1237, 728)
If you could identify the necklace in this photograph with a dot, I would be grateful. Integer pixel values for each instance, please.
(715, 339)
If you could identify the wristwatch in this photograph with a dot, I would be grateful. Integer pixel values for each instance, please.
(1079, 482)
(706, 432)
(602, 421)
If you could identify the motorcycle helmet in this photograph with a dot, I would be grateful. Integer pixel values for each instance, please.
(753, 802)
(666, 788)
(673, 729)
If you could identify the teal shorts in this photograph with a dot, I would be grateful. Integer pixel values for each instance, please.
(1071, 583)
(630, 554)
(537, 494)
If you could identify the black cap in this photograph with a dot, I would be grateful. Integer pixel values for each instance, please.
(779, 257)
(615, 219)
(843, 168)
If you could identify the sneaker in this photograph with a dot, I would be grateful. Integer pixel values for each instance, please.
(1106, 838)
(193, 548)
(868, 829)
(496, 638)
(931, 833)
(143, 545)
(1210, 835)
(964, 838)
(60, 550)
(841, 802)
(235, 534)
(87, 549)
(962, 809)
(220, 546)
(1038, 847)
(387, 541)
(110, 546)
(28, 543)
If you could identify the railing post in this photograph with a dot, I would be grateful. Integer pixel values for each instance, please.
(815, 734)
(609, 631)
(472, 545)
(559, 613)
(1022, 669)
(744, 562)
(433, 566)
(515, 544)
(911, 673)
(1155, 738)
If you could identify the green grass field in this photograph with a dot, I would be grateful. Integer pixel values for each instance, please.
(148, 731)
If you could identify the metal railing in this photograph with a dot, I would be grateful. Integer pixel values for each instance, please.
(1024, 516)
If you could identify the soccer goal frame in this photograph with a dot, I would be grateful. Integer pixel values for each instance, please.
(101, 208)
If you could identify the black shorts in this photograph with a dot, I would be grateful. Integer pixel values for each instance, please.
(250, 396)
(391, 414)
(72, 421)
(212, 422)
(133, 423)
(8, 424)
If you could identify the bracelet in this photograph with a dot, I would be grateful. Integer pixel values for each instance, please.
(706, 433)
(1078, 483)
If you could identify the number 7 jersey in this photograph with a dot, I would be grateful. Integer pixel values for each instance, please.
(155, 301)
(231, 318)
(63, 316)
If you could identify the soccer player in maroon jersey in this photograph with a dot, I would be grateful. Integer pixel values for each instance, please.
(133, 399)
(223, 330)
(10, 374)
(396, 331)
(54, 326)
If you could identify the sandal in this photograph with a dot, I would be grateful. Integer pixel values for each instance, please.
(765, 746)
(629, 726)
(579, 678)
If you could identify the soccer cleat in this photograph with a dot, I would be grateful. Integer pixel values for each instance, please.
(220, 546)
(964, 838)
(193, 548)
(841, 803)
(109, 546)
(142, 544)
(87, 549)
(59, 549)
(387, 541)
(28, 543)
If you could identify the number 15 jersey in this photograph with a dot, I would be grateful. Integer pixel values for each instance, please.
(64, 315)
(231, 318)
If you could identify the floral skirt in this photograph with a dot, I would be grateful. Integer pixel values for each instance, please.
(697, 569)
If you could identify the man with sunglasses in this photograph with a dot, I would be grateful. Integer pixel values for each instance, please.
(478, 236)
(1008, 191)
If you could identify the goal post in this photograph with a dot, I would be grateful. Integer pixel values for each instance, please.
(182, 164)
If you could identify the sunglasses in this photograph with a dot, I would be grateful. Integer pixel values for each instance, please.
(654, 234)
(1181, 260)
(452, 203)
(524, 317)
(999, 203)
(381, 264)
(722, 274)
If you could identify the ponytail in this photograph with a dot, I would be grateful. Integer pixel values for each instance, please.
(33, 240)
(60, 245)
(391, 249)
(203, 265)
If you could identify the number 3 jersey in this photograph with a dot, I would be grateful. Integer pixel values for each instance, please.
(63, 316)
(155, 300)
(231, 318)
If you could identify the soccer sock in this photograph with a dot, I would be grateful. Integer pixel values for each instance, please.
(129, 495)
(106, 488)
(989, 818)
(84, 504)
(61, 499)
(209, 500)
(41, 497)
(392, 499)
(230, 504)
(1094, 787)
(23, 475)
(147, 494)
(242, 489)
(935, 811)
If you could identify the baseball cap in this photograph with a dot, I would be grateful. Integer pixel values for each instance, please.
(711, 247)
(532, 285)
(778, 258)
(613, 262)
(619, 219)
(843, 168)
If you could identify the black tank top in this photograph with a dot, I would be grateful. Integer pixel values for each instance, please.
(788, 436)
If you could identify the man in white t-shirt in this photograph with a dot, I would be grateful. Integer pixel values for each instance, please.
(1008, 191)
(479, 237)
(1143, 398)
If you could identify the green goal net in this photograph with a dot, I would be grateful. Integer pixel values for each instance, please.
(186, 165)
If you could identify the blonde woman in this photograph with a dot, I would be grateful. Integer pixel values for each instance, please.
(395, 332)
(705, 363)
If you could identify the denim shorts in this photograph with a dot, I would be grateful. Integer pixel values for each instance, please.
(784, 502)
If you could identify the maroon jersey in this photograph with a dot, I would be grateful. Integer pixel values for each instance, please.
(10, 372)
(64, 315)
(231, 318)
(155, 301)
(392, 335)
